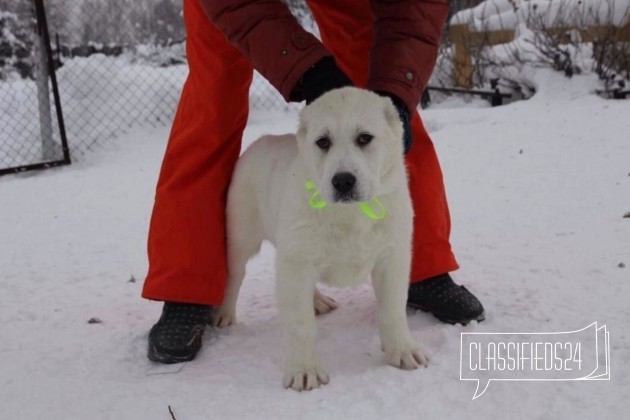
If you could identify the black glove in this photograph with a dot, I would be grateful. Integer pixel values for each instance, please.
(403, 113)
(322, 77)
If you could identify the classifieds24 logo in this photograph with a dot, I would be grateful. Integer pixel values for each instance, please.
(554, 356)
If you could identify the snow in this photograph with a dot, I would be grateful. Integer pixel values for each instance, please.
(537, 191)
(508, 14)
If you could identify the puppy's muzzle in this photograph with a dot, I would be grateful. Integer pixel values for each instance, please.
(344, 183)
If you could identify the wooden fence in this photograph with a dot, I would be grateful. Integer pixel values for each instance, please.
(464, 41)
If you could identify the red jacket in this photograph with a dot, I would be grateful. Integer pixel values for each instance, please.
(406, 38)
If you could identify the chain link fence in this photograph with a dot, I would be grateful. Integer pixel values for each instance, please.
(119, 64)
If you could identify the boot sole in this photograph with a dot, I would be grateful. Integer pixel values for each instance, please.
(168, 359)
(449, 319)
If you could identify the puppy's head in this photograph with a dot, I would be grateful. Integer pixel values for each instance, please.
(349, 139)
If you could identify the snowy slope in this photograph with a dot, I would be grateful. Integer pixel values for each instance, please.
(537, 191)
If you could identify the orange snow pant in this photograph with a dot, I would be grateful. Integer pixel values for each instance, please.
(187, 239)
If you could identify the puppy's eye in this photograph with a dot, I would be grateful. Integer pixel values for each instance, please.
(323, 143)
(364, 139)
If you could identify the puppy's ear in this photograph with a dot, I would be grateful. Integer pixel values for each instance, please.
(393, 120)
(301, 131)
(300, 135)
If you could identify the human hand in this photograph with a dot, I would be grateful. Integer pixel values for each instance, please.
(322, 77)
(403, 113)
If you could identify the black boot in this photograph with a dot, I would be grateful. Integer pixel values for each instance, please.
(446, 300)
(177, 335)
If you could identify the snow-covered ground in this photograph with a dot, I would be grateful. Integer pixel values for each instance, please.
(537, 189)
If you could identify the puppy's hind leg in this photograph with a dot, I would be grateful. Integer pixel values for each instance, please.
(244, 238)
(323, 304)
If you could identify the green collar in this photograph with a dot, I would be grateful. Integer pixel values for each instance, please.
(316, 202)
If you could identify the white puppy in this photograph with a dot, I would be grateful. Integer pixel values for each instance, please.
(353, 220)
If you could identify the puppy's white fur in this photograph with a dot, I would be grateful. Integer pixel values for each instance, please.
(338, 244)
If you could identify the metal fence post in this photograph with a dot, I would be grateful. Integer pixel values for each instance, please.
(47, 54)
(49, 147)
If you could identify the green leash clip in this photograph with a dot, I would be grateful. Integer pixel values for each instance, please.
(316, 202)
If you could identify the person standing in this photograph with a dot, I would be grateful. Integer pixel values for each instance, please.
(389, 47)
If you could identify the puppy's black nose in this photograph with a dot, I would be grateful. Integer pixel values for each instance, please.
(343, 182)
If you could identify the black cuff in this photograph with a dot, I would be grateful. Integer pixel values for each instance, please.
(403, 113)
(322, 77)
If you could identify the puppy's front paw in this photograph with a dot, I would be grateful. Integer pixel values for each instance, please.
(223, 316)
(305, 379)
(409, 357)
(323, 304)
